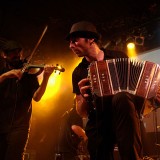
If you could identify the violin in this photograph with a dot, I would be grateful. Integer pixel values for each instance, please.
(38, 69)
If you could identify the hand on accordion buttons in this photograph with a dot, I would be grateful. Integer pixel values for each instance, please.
(84, 87)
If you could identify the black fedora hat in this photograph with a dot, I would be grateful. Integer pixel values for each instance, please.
(83, 29)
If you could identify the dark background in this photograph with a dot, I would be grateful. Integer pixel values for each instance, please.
(115, 20)
(25, 20)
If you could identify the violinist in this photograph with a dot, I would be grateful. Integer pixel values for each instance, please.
(17, 89)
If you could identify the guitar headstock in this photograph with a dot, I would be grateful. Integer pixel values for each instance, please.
(59, 68)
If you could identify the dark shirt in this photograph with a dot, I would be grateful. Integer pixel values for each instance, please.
(15, 98)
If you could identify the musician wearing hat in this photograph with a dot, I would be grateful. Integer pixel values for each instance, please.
(17, 89)
(113, 120)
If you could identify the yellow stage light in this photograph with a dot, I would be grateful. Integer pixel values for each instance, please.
(131, 50)
(130, 45)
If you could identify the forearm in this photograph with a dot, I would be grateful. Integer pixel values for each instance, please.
(48, 70)
(79, 131)
(41, 90)
(14, 73)
(82, 106)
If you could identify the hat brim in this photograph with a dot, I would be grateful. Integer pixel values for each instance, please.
(8, 51)
(82, 34)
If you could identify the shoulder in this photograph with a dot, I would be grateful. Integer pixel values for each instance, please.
(83, 63)
(115, 54)
(81, 66)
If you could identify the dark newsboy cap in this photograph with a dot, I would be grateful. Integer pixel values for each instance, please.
(83, 29)
(10, 46)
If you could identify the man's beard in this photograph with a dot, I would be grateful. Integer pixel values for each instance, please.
(16, 64)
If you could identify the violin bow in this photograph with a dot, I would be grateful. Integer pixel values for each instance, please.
(34, 49)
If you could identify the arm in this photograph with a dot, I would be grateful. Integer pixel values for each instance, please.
(82, 105)
(14, 73)
(79, 132)
(48, 70)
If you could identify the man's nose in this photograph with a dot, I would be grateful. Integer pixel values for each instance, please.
(72, 44)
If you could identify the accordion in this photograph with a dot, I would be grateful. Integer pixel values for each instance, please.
(140, 78)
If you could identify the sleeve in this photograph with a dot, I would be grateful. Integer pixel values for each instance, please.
(75, 80)
(79, 73)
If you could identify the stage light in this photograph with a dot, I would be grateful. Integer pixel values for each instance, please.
(139, 40)
(130, 42)
(131, 49)
(130, 39)
(130, 45)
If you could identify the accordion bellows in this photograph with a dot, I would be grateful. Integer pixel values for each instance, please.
(136, 77)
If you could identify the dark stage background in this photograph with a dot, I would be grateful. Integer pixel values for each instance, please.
(24, 21)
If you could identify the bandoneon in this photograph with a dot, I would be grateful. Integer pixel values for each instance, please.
(140, 78)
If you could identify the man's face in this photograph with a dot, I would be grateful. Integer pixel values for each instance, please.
(79, 46)
(13, 58)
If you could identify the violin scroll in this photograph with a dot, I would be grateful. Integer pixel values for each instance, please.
(59, 68)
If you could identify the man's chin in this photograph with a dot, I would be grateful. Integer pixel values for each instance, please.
(78, 54)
